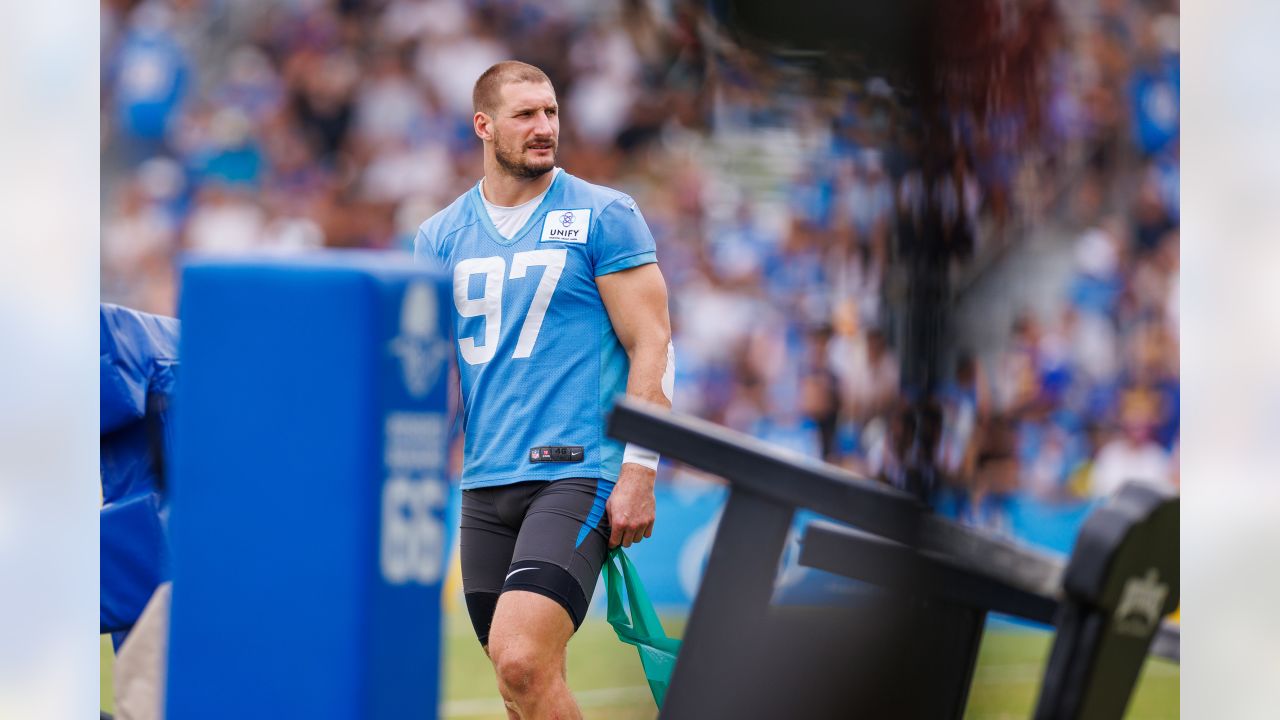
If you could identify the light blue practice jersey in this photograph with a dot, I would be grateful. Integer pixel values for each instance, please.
(540, 363)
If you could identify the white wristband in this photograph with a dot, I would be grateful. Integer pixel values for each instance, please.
(640, 456)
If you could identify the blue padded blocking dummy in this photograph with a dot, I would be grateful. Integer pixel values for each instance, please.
(309, 496)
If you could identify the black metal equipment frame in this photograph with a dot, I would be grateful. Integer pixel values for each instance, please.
(906, 647)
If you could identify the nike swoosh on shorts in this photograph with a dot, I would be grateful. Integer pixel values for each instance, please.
(513, 572)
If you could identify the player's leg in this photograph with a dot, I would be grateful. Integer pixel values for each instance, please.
(491, 519)
(527, 645)
(486, 544)
(557, 560)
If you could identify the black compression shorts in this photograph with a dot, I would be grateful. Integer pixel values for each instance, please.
(547, 537)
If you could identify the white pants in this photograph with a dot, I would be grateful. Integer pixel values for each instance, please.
(140, 664)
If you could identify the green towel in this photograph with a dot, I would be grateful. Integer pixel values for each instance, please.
(642, 628)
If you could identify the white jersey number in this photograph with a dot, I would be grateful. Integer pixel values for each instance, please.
(490, 304)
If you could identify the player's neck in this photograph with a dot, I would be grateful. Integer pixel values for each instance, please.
(506, 190)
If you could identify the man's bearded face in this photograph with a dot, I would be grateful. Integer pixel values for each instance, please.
(526, 130)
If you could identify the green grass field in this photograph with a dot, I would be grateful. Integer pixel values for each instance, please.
(609, 684)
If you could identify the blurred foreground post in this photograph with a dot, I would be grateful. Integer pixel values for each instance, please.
(903, 641)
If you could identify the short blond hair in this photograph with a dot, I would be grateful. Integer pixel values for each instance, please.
(486, 94)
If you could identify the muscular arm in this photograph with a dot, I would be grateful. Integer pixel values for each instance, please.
(636, 300)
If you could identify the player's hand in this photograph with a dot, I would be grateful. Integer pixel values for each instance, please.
(631, 506)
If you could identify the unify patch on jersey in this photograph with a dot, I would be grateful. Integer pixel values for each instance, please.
(556, 453)
(566, 226)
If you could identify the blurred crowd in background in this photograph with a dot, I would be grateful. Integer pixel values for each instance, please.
(779, 202)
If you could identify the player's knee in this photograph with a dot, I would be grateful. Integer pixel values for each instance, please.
(521, 669)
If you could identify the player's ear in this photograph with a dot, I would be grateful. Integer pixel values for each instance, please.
(483, 125)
